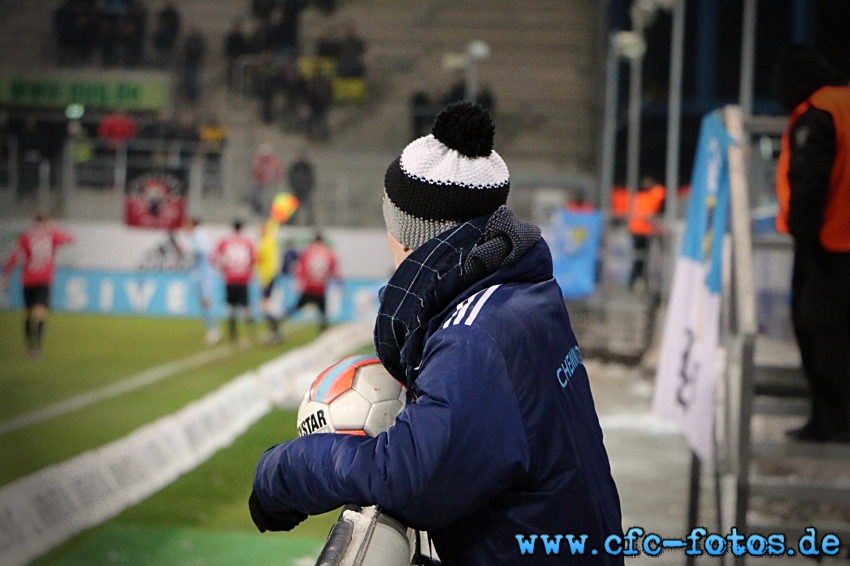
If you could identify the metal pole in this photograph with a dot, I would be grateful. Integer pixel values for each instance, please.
(14, 171)
(121, 168)
(674, 127)
(745, 307)
(635, 88)
(609, 131)
(693, 501)
(44, 186)
(471, 94)
(748, 56)
(68, 181)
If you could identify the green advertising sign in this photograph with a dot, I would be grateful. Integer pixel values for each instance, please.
(110, 92)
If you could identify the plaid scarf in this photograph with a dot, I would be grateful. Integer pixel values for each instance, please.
(434, 275)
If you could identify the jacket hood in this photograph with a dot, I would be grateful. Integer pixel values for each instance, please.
(799, 72)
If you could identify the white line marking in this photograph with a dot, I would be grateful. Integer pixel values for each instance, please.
(127, 385)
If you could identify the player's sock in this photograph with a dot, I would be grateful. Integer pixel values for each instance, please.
(274, 324)
(39, 333)
(29, 327)
(231, 327)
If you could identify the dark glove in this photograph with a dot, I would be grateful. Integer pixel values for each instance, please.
(272, 520)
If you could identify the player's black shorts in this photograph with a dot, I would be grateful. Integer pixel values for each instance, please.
(307, 298)
(36, 295)
(237, 295)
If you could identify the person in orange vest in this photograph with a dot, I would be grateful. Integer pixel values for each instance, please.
(620, 202)
(580, 204)
(813, 190)
(648, 203)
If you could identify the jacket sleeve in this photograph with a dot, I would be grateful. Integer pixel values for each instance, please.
(451, 451)
(813, 147)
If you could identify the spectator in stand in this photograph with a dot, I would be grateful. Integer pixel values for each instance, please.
(293, 88)
(352, 49)
(212, 136)
(110, 40)
(235, 256)
(31, 146)
(194, 49)
(36, 248)
(327, 45)
(166, 32)
(263, 9)
(317, 265)
(266, 173)
(262, 37)
(422, 114)
(163, 128)
(187, 127)
(133, 34)
(116, 128)
(319, 97)
(266, 81)
(302, 177)
(63, 28)
(159, 135)
(86, 35)
(287, 31)
(236, 45)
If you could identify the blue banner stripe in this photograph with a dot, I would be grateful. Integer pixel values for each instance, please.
(176, 294)
(331, 376)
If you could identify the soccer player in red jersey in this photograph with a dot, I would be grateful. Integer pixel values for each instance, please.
(317, 265)
(235, 257)
(37, 249)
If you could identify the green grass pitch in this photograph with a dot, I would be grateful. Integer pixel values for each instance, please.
(202, 518)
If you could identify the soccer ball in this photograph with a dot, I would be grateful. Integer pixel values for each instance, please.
(356, 395)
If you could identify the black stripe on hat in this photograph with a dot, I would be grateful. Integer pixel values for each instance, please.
(441, 202)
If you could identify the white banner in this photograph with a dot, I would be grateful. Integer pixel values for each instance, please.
(685, 381)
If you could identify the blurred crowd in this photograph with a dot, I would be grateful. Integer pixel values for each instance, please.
(118, 33)
(262, 52)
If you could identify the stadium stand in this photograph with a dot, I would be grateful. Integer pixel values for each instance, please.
(542, 73)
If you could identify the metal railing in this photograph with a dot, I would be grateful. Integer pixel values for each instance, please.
(98, 164)
(368, 537)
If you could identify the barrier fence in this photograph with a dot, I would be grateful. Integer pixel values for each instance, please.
(95, 163)
(42, 510)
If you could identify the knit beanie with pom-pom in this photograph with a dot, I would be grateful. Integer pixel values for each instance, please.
(445, 178)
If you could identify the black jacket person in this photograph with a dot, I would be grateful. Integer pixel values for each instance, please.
(813, 189)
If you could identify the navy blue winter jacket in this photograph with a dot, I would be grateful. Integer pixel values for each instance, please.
(502, 439)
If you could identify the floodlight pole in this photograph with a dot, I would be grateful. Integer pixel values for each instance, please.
(609, 130)
(635, 102)
(748, 49)
(674, 128)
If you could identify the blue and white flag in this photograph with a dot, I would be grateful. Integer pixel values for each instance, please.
(575, 245)
(685, 381)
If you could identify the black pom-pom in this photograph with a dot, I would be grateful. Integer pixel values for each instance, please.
(466, 128)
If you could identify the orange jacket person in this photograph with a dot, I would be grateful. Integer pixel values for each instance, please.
(813, 189)
(648, 203)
